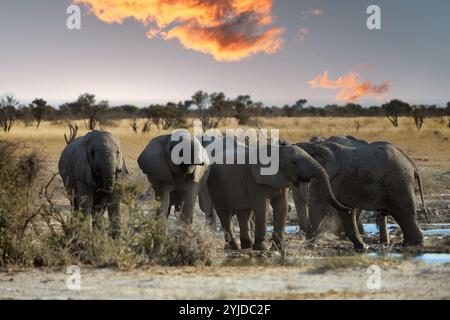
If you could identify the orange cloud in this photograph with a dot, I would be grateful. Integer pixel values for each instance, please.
(351, 88)
(229, 30)
(311, 12)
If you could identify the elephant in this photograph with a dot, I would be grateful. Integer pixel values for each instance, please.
(242, 189)
(365, 176)
(90, 167)
(177, 182)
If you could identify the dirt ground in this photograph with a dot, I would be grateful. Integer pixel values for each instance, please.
(403, 281)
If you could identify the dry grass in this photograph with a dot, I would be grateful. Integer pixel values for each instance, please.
(431, 144)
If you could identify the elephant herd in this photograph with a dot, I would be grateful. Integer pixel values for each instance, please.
(330, 178)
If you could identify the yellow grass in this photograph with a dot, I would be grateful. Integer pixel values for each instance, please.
(431, 144)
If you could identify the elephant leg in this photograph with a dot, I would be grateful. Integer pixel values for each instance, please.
(382, 226)
(164, 198)
(261, 213)
(205, 203)
(351, 229)
(244, 227)
(114, 214)
(280, 211)
(301, 205)
(99, 207)
(406, 218)
(189, 199)
(316, 218)
(84, 199)
(225, 219)
(359, 222)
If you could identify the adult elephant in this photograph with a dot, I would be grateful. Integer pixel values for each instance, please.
(370, 176)
(243, 189)
(177, 167)
(90, 167)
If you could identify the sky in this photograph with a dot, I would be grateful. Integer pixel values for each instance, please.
(277, 51)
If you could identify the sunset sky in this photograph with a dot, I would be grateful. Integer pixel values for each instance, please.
(278, 51)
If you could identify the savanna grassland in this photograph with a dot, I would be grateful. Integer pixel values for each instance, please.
(432, 142)
(304, 275)
(429, 147)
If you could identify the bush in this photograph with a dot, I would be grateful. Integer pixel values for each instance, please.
(19, 203)
(143, 239)
(189, 245)
(34, 231)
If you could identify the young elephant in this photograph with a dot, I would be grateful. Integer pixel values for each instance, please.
(176, 182)
(89, 167)
(242, 189)
(376, 176)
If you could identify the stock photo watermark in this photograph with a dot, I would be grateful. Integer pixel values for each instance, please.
(73, 21)
(73, 281)
(374, 279)
(374, 19)
(250, 146)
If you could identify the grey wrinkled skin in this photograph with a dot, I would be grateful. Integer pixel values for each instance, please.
(175, 185)
(376, 176)
(241, 189)
(90, 167)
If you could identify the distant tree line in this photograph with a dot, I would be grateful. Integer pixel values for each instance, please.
(213, 109)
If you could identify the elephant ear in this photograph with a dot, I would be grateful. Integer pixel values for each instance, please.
(202, 162)
(277, 181)
(325, 155)
(122, 166)
(82, 163)
(153, 161)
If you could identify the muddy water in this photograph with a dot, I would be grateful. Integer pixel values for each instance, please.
(434, 231)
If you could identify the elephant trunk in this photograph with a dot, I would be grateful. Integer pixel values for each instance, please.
(108, 174)
(321, 176)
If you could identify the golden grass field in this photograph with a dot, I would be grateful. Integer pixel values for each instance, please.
(430, 144)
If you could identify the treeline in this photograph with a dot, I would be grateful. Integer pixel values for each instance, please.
(213, 109)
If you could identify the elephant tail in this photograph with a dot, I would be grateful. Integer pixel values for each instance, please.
(419, 182)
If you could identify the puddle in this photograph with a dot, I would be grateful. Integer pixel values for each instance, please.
(428, 258)
(287, 230)
(436, 232)
(371, 228)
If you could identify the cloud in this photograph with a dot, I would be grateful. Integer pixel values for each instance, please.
(229, 30)
(302, 33)
(351, 88)
(311, 12)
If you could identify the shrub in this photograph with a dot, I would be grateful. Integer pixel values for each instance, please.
(19, 203)
(143, 241)
(189, 245)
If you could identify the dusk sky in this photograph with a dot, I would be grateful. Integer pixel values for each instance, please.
(279, 51)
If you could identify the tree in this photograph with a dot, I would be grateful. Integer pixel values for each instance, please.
(418, 113)
(92, 112)
(39, 109)
(394, 109)
(352, 109)
(8, 112)
(212, 109)
(24, 114)
(164, 117)
(243, 106)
